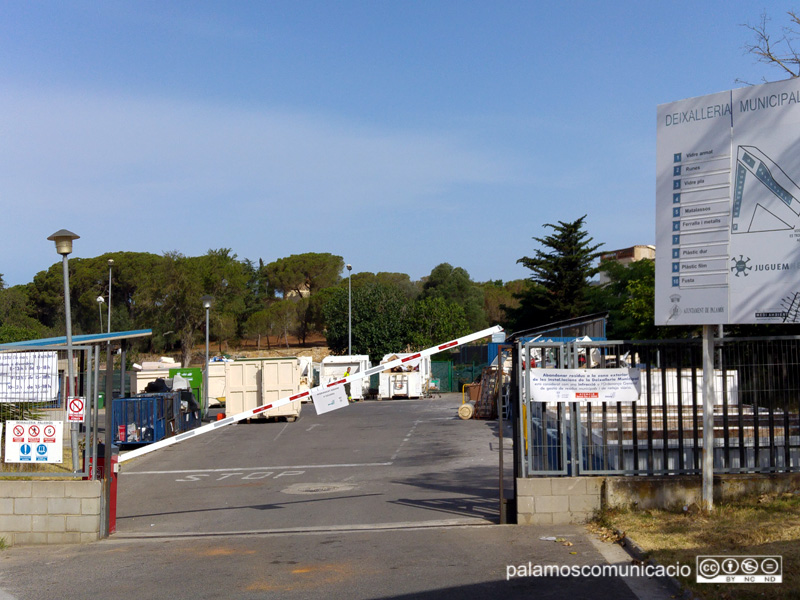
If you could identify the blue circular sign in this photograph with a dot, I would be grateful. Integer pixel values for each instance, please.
(25, 449)
(41, 449)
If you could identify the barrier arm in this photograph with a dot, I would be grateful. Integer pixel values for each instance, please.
(349, 379)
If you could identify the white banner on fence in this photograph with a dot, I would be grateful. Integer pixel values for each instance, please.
(34, 442)
(28, 376)
(585, 385)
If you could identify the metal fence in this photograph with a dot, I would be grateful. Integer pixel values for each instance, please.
(756, 408)
(39, 439)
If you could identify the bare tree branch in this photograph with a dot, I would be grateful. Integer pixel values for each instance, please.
(778, 52)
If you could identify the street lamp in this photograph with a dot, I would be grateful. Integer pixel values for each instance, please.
(63, 240)
(100, 301)
(349, 313)
(207, 300)
(110, 264)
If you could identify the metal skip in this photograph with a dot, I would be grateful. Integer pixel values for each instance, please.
(354, 377)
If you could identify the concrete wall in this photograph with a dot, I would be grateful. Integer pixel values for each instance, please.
(557, 500)
(49, 512)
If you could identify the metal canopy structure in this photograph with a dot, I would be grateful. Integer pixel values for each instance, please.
(92, 338)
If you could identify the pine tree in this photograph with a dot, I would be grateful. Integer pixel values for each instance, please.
(559, 281)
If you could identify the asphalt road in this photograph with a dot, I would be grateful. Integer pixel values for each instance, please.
(378, 500)
(370, 463)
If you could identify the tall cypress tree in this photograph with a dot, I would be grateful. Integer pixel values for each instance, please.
(559, 280)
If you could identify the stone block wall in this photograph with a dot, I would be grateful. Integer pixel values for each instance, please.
(557, 500)
(49, 512)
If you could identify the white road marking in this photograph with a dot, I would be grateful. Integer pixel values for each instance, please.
(281, 468)
(281, 431)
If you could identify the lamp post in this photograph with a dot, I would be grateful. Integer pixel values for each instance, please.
(100, 301)
(207, 300)
(110, 264)
(63, 240)
(349, 313)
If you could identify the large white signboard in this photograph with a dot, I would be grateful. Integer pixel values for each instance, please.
(728, 208)
(34, 441)
(28, 376)
(585, 385)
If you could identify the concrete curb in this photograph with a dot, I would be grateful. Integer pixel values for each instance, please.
(637, 552)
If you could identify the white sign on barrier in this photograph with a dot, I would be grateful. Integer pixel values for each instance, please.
(585, 385)
(34, 442)
(330, 399)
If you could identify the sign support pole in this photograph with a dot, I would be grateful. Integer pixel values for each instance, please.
(708, 417)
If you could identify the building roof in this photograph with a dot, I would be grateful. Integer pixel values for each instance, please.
(77, 340)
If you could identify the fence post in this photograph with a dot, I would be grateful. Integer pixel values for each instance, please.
(708, 417)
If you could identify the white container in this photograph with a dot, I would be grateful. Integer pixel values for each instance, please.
(216, 383)
(333, 368)
(411, 382)
(257, 382)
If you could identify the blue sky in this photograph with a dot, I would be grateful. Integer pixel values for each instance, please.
(398, 135)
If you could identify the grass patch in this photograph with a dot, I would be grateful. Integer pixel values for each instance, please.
(56, 468)
(768, 524)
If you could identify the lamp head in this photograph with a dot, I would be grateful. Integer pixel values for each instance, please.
(63, 239)
(207, 300)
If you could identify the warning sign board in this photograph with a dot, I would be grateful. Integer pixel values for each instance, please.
(585, 385)
(76, 409)
(34, 442)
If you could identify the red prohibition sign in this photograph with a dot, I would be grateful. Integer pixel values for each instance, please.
(19, 430)
(49, 431)
(33, 431)
(76, 405)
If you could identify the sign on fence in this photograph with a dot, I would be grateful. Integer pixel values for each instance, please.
(28, 376)
(34, 441)
(585, 385)
(76, 409)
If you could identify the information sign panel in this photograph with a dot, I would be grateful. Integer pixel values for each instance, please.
(728, 208)
(34, 441)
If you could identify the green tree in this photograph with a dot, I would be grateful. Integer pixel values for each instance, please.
(435, 320)
(304, 274)
(283, 314)
(260, 324)
(454, 285)
(171, 298)
(627, 296)
(379, 318)
(499, 297)
(16, 316)
(560, 276)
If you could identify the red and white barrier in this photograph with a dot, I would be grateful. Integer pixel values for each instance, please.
(354, 377)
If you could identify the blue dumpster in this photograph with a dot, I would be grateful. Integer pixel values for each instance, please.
(151, 417)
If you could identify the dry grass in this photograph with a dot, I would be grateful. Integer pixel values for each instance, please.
(22, 468)
(765, 525)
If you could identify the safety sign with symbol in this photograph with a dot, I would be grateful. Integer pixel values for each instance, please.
(40, 439)
(76, 409)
